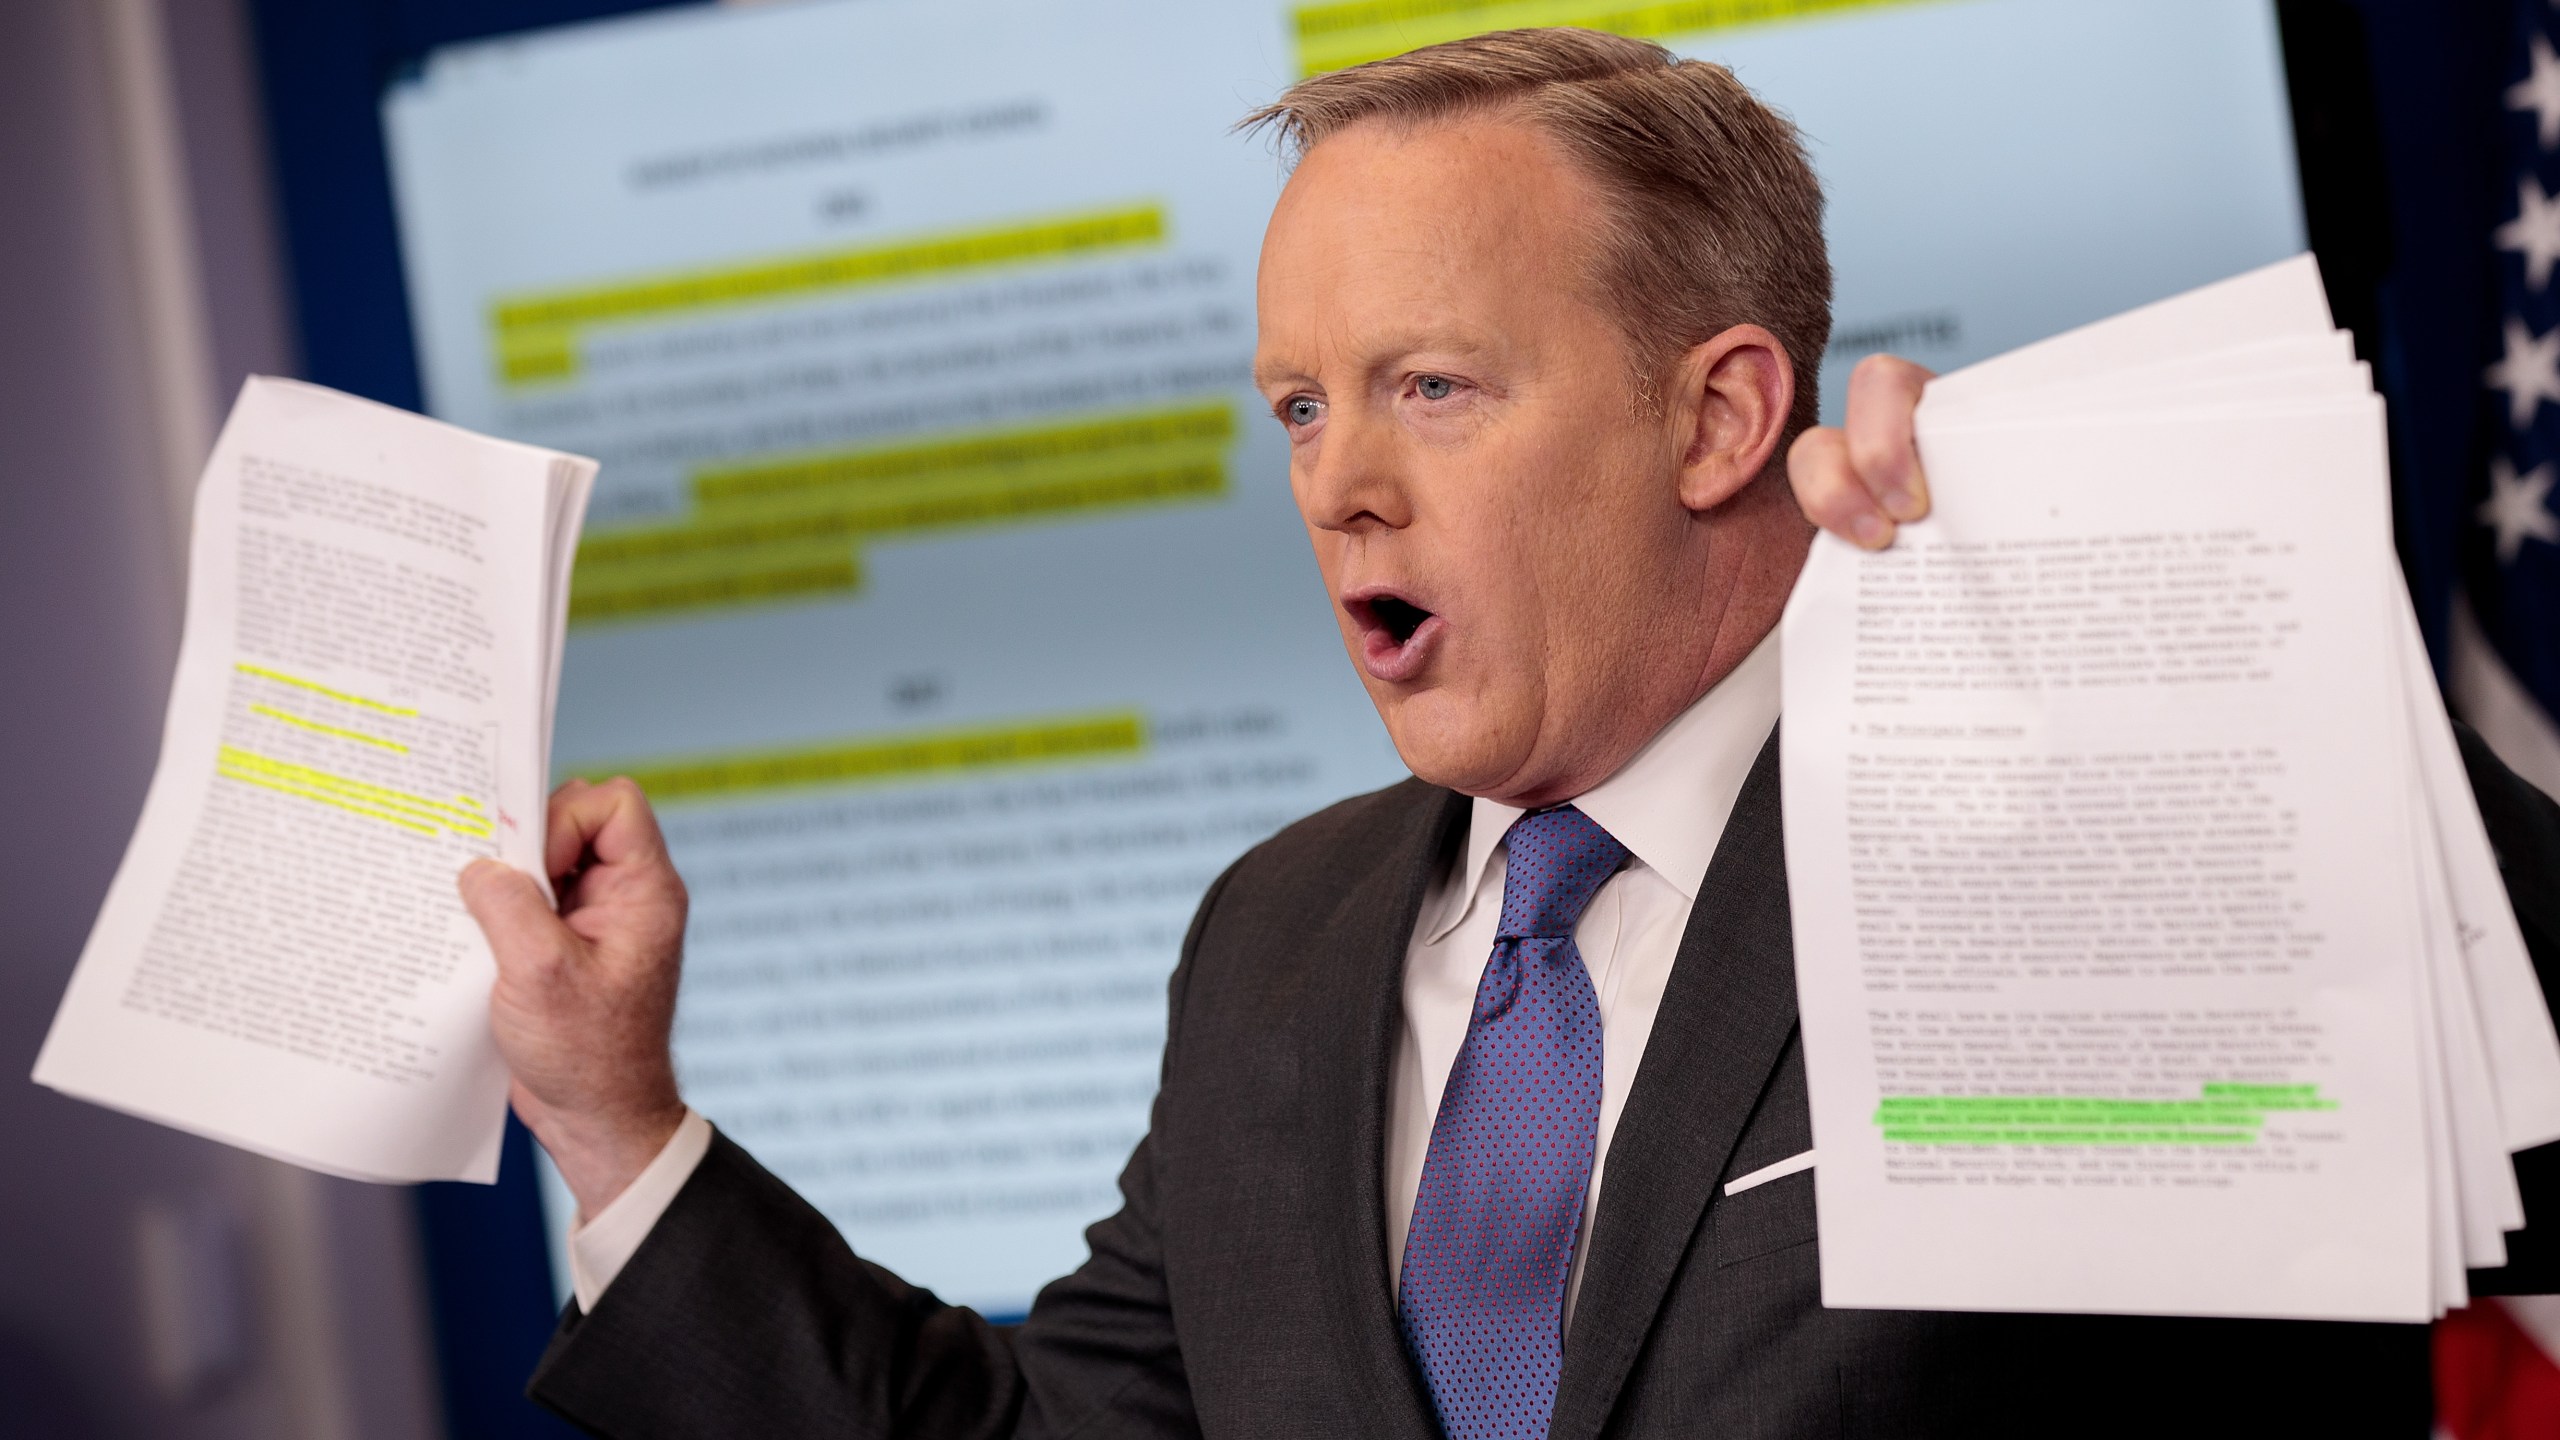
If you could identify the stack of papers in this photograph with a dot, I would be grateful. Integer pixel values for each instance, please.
(363, 705)
(2152, 955)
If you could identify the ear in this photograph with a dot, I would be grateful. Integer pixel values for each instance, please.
(1731, 397)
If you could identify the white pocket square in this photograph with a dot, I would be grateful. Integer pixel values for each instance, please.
(1767, 1173)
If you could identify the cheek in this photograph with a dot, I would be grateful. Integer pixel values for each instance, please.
(1556, 573)
(1491, 555)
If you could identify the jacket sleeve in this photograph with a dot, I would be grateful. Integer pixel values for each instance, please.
(2524, 829)
(745, 1313)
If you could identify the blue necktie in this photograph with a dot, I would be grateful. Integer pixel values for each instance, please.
(1491, 1246)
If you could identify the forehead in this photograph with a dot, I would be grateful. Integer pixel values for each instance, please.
(1477, 227)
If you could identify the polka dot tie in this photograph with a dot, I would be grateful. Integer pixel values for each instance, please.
(1485, 1263)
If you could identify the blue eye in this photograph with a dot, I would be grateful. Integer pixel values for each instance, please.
(1434, 387)
(1303, 410)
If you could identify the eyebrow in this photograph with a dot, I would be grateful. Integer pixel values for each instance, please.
(1266, 376)
(1395, 347)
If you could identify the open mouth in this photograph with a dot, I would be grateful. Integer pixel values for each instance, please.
(1396, 634)
(1400, 617)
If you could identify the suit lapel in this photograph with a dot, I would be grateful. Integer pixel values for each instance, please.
(1351, 1039)
(1726, 1014)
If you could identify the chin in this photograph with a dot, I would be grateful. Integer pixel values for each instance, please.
(1448, 742)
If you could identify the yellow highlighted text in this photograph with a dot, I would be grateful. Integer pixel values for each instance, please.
(872, 759)
(316, 728)
(537, 334)
(792, 527)
(361, 797)
(1338, 36)
(341, 696)
(268, 782)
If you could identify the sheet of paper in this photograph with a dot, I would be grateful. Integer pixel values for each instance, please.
(2095, 937)
(2281, 301)
(2258, 364)
(2486, 1198)
(2084, 877)
(360, 708)
(2514, 1020)
(2473, 1182)
(2130, 748)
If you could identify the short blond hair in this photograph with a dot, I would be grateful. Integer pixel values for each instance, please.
(1716, 215)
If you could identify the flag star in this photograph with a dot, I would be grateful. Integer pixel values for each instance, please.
(2529, 372)
(2539, 92)
(2518, 508)
(2535, 232)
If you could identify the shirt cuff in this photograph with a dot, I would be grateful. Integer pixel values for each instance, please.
(600, 1247)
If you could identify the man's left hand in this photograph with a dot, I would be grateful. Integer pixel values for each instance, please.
(1860, 480)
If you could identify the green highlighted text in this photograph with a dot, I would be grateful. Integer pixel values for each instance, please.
(2225, 1114)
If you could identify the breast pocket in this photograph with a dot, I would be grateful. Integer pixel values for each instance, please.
(1762, 1220)
(1768, 1215)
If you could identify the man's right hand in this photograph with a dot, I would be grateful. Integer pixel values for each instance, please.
(586, 996)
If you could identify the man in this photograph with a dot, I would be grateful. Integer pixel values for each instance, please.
(1456, 1074)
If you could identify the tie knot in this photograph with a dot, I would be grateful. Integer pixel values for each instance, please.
(1558, 859)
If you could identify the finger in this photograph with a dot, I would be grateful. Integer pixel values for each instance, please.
(563, 844)
(612, 820)
(522, 930)
(1884, 391)
(1830, 494)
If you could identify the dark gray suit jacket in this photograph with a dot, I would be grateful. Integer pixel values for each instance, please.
(1242, 1288)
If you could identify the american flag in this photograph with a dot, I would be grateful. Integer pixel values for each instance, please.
(2498, 1362)
(2506, 660)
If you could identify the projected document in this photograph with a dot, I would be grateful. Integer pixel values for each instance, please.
(943, 586)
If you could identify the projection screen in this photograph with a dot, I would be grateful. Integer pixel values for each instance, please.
(943, 585)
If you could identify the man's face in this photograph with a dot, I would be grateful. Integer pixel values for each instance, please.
(1499, 522)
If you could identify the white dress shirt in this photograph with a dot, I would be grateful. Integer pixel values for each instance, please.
(602, 1244)
(1668, 806)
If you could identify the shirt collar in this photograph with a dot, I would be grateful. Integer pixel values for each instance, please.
(1668, 805)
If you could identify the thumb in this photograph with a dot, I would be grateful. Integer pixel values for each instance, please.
(511, 911)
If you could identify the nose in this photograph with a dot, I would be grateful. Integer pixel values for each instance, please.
(1351, 480)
